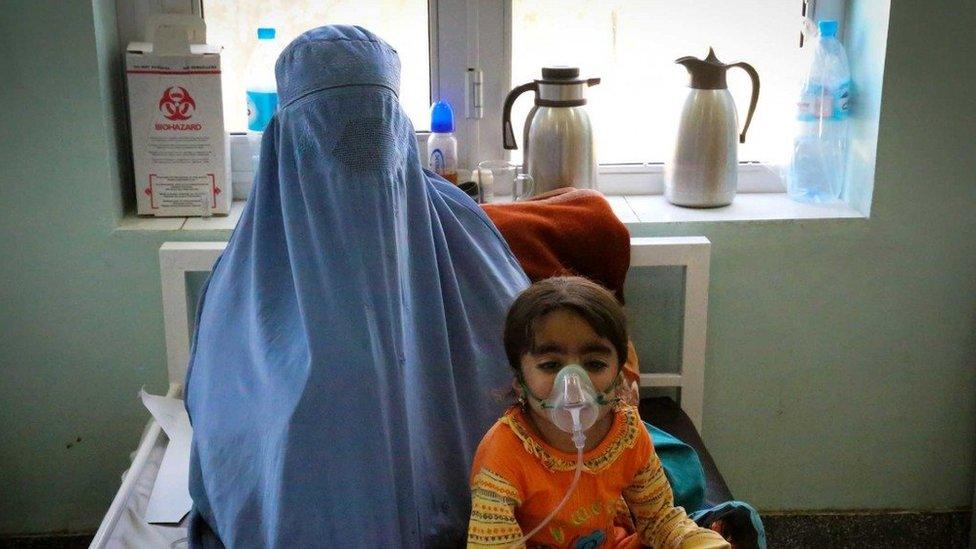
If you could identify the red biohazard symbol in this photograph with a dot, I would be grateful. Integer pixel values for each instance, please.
(176, 104)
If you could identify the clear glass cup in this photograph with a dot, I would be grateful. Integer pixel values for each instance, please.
(500, 181)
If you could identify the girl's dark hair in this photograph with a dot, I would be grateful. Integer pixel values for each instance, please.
(592, 302)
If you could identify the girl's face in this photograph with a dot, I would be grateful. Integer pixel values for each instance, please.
(562, 337)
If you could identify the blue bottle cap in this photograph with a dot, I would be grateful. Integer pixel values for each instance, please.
(441, 117)
(827, 28)
(266, 33)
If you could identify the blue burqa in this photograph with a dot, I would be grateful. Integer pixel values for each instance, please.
(348, 348)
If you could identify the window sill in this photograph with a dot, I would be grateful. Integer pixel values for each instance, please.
(638, 210)
(634, 211)
(227, 222)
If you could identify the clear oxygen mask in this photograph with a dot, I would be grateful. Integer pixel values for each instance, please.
(572, 403)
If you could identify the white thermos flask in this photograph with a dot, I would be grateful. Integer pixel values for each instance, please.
(703, 170)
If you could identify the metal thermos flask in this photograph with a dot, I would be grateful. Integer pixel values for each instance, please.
(558, 138)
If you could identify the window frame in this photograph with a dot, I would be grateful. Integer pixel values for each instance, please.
(475, 35)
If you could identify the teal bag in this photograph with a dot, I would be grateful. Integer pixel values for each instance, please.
(682, 467)
(687, 478)
(741, 519)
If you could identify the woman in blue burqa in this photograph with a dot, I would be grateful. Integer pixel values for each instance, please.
(349, 334)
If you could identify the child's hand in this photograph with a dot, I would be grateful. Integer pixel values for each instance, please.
(723, 530)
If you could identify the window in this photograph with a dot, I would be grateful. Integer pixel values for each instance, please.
(630, 44)
(402, 23)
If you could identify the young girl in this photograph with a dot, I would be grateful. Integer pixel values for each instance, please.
(525, 463)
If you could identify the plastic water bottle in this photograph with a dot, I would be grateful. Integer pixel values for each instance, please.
(816, 171)
(262, 96)
(442, 145)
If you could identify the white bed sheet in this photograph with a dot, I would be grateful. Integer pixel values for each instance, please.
(132, 531)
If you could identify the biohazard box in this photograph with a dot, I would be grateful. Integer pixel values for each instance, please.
(180, 151)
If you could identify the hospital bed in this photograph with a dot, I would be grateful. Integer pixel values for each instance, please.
(125, 526)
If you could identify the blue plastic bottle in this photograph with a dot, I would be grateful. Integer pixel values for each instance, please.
(816, 172)
(442, 145)
(262, 91)
(262, 96)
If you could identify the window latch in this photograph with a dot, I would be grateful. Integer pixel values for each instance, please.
(473, 92)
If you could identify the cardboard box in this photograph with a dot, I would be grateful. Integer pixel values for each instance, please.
(180, 151)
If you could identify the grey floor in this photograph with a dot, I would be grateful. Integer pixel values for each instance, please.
(948, 530)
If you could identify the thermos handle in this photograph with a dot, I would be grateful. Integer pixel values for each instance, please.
(508, 136)
(755, 96)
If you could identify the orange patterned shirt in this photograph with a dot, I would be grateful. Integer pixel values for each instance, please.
(623, 498)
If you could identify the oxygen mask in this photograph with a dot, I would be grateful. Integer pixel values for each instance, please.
(573, 404)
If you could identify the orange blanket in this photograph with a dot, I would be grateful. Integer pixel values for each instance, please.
(566, 231)
(569, 231)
